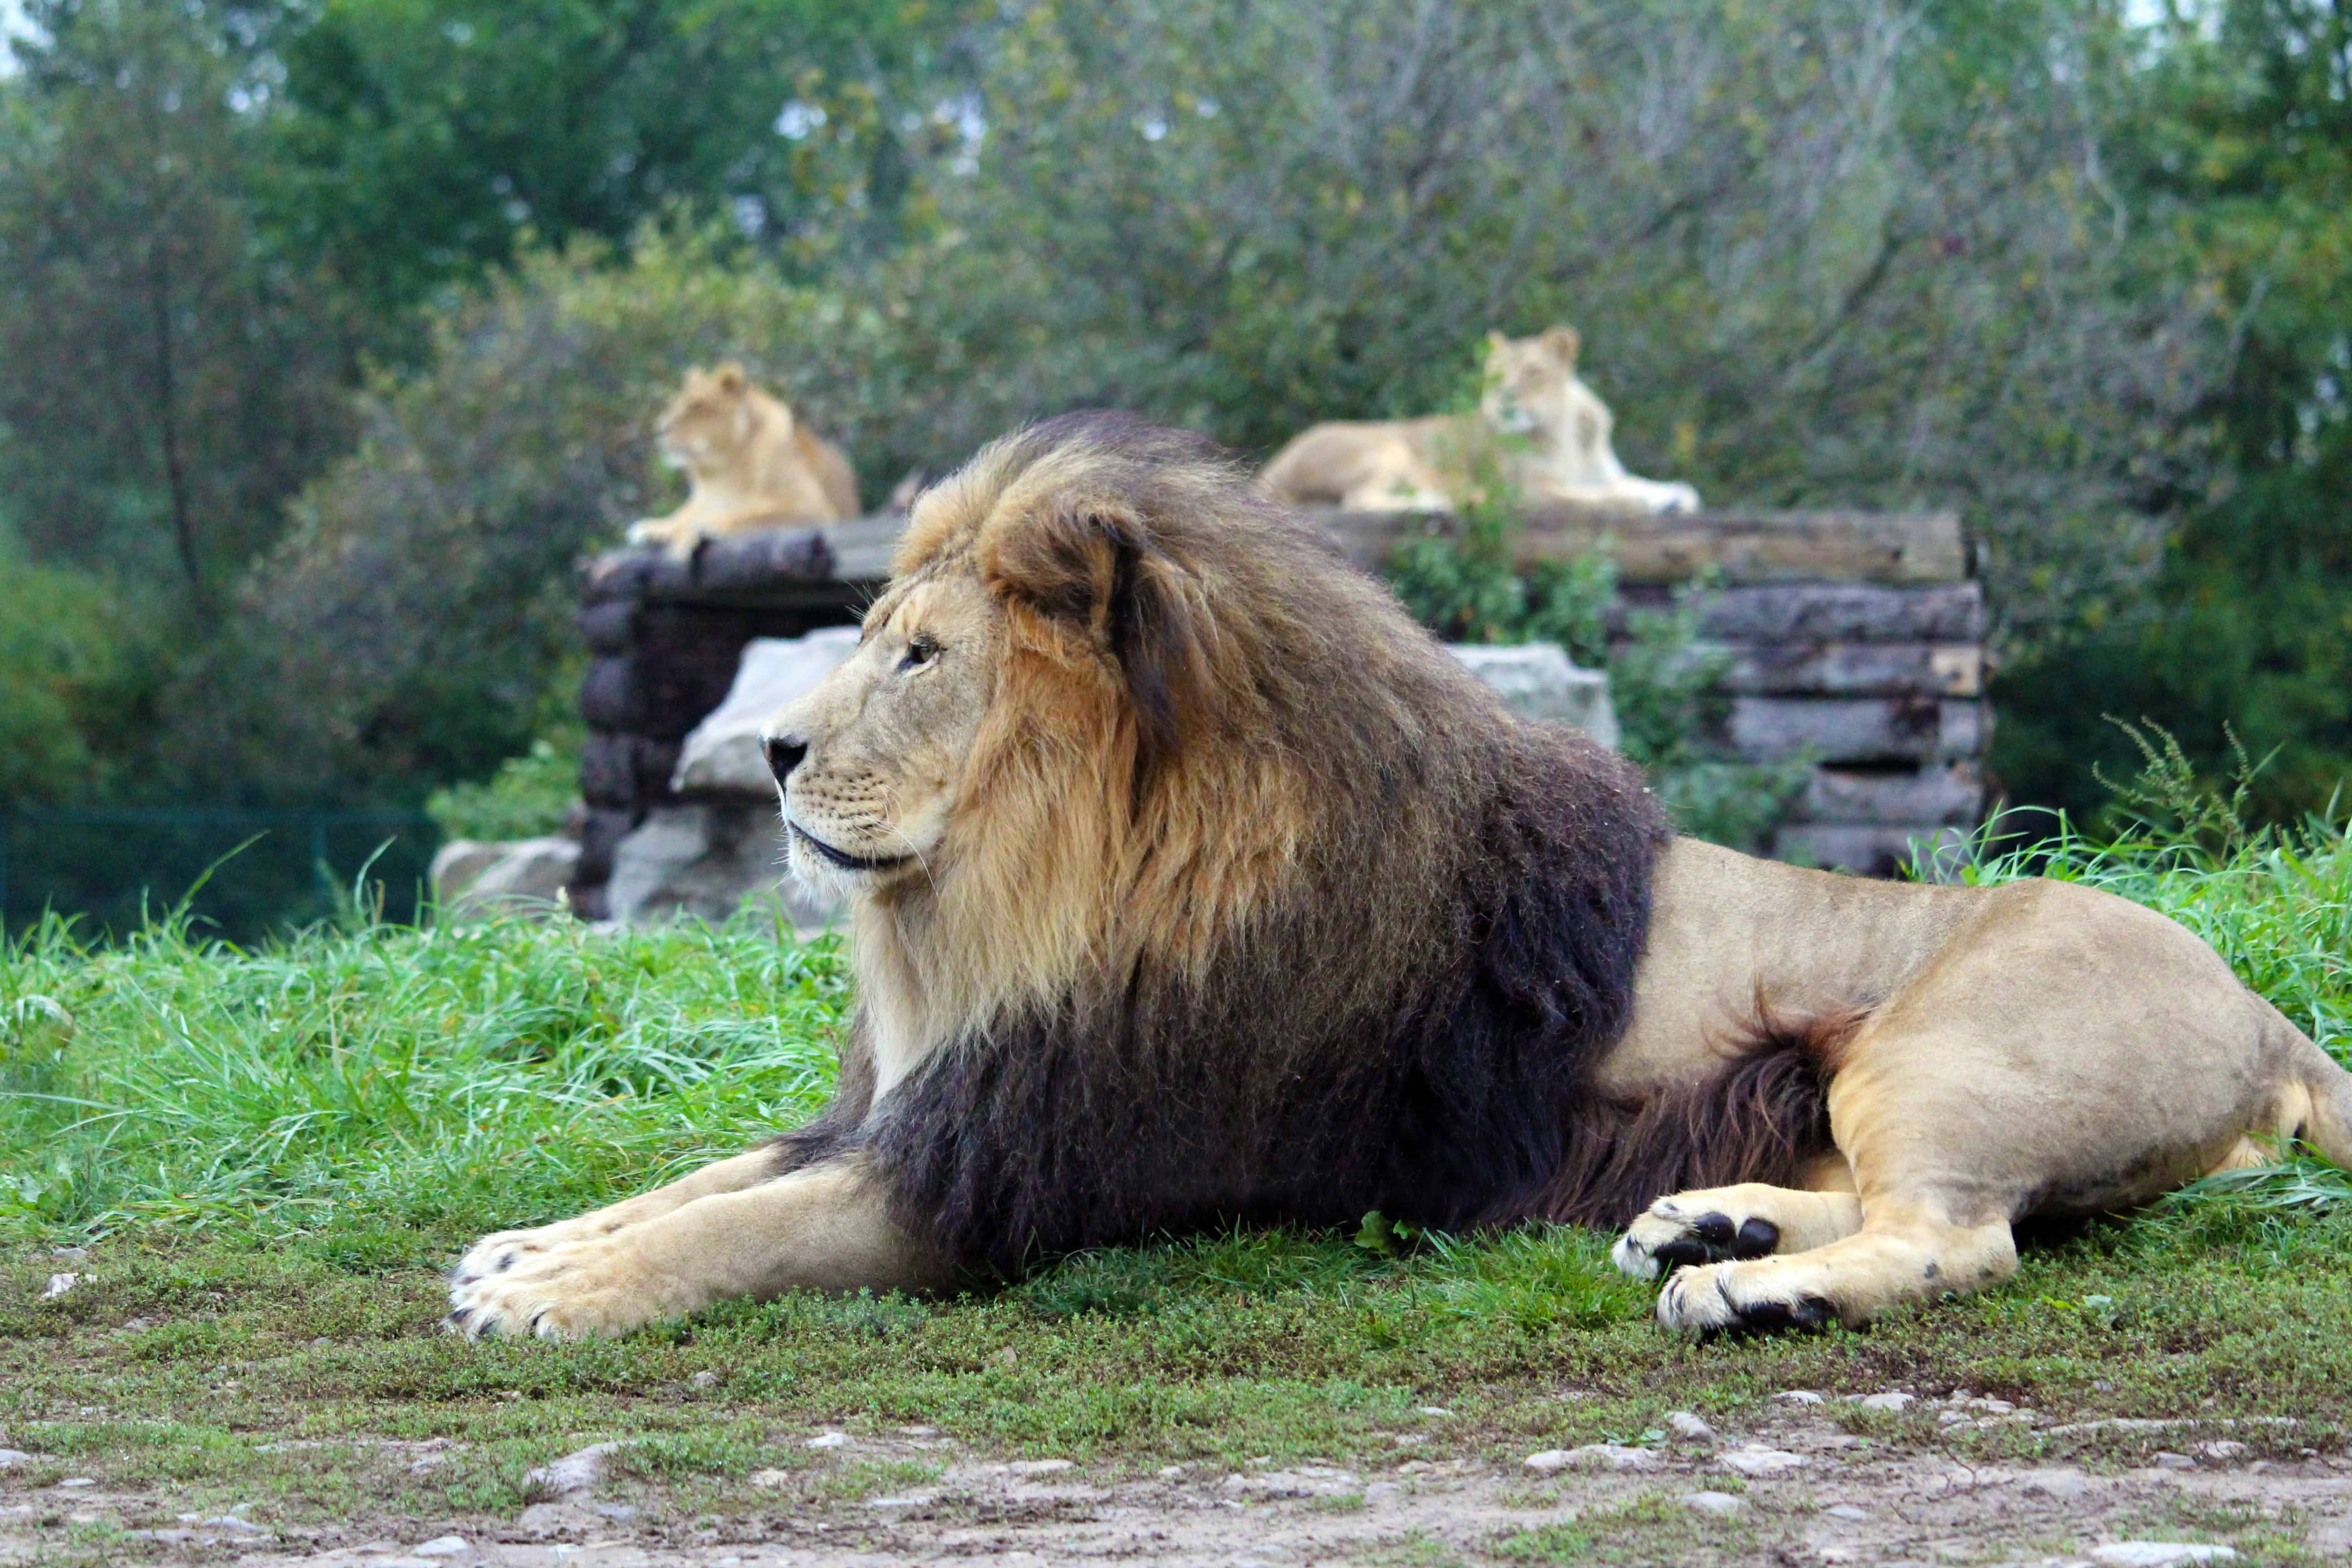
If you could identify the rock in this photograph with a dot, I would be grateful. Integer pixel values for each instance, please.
(830, 1441)
(2224, 1449)
(474, 880)
(1536, 680)
(2165, 1461)
(442, 1546)
(14, 1456)
(1712, 1502)
(60, 1284)
(2061, 1486)
(1382, 1491)
(1846, 1512)
(230, 1521)
(771, 1477)
(2159, 1553)
(1799, 1396)
(1039, 1467)
(722, 755)
(1598, 1455)
(545, 1519)
(1757, 1462)
(77, 1481)
(1685, 1425)
(573, 1473)
(1432, 1410)
(703, 1380)
(1172, 1472)
(1893, 1400)
(70, 1254)
(705, 860)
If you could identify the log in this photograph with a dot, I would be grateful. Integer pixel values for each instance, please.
(1844, 612)
(1832, 730)
(607, 627)
(1745, 547)
(1850, 670)
(1946, 797)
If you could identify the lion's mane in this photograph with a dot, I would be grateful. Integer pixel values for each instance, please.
(1256, 905)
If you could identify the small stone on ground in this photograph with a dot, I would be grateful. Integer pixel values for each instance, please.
(1712, 1502)
(2159, 1553)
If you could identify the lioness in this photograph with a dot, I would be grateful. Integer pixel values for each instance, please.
(1555, 446)
(750, 462)
(1193, 882)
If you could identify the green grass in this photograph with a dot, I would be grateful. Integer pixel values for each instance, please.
(269, 1156)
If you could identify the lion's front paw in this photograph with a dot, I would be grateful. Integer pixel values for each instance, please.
(1671, 1235)
(648, 530)
(1740, 1298)
(576, 1289)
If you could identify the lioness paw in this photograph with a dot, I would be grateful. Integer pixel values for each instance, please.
(1672, 1234)
(1740, 1298)
(577, 1289)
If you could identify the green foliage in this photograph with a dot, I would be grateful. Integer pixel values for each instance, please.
(418, 149)
(528, 797)
(77, 668)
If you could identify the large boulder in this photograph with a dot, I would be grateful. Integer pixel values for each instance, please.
(1537, 681)
(722, 756)
(706, 860)
(476, 880)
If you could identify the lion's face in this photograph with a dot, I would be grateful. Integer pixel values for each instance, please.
(871, 761)
(1532, 387)
(710, 418)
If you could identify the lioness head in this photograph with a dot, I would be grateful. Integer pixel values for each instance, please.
(1532, 386)
(712, 415)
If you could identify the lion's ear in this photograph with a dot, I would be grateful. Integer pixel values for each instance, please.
(731, 377)
(1495, 342)
(1096, 569)
(1563, 342)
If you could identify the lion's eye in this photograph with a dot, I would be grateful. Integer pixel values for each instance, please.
(920, 651)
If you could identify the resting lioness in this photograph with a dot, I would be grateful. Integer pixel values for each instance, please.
(750, 462)
(1554, 447)
(1191, 882)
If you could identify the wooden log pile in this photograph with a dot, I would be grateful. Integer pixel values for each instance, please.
(1854, 640)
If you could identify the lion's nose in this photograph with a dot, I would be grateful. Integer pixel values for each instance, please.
(784, 753)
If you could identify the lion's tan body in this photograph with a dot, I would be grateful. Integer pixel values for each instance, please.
(750, 462)
(1988, 1054)
(1539, 423)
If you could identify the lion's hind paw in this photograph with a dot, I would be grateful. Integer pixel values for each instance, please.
(1736, 1298)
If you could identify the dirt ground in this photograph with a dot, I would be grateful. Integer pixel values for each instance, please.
(1794, 1488)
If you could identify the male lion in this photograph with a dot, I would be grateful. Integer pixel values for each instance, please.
(1193, 882)
(752, 464)
(1547, 430)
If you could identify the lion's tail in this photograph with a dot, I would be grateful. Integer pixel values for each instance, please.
(2326, 1122)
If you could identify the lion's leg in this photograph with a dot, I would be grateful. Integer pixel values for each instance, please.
(824, 1228)
(503, 1249)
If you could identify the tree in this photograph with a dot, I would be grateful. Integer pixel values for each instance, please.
(163, 383)
(2246, 157)
(429, 139)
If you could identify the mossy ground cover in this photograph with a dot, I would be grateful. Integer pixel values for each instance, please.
(269, 1156)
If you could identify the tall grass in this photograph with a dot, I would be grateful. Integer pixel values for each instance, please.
(445, 1078)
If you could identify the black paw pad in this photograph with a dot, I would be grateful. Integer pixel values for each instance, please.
(1756, 1238)
(1808, 1312)
(1706, 1239)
